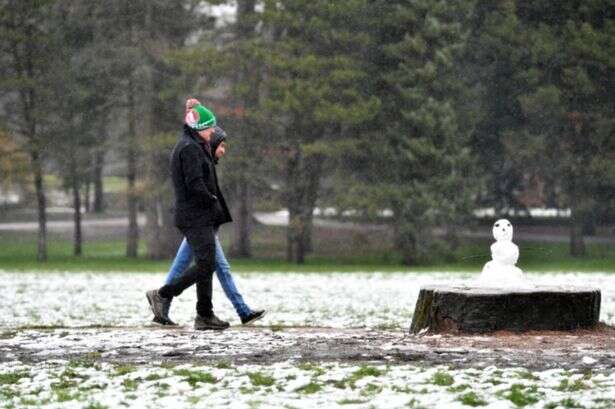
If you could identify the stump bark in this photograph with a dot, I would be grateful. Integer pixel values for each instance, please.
(479, 310)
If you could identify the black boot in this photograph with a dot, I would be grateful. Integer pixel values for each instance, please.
(211, 322)
(253, 316)
(156, 303)
(165, 320)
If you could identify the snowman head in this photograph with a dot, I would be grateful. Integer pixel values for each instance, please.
(502, 230)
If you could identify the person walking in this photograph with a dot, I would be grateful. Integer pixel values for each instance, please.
(223, 270)
(199, 209)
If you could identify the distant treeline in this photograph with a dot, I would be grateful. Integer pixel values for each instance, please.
(429, 108)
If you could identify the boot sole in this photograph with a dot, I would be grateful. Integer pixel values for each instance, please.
(211, 328)
(254, 319)
(151, 306)
(164, 323)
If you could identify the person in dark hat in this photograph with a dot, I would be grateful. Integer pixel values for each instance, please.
(199, 210)
(223, 270)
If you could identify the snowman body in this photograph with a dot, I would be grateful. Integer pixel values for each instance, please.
(502, 269)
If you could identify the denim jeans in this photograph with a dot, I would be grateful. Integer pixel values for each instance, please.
(223, 272)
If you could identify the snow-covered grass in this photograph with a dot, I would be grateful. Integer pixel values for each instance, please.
(95, 385)
(359, 300)
(373, 301)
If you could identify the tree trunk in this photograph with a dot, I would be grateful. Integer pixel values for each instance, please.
(407, 245)
(408, 253)
(25, 66)
(313, 172)
(86, 194)
(577, 243)
(132, 242)
(481, 310)
(293, 200)
(99, 199)
(152, 228)
(160, 233)
(76, 208)
(242, 246)
(295, 250)
(41, 254)
(589, 223)
(303, 180)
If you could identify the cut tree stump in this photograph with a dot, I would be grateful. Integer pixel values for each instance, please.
(474, 309)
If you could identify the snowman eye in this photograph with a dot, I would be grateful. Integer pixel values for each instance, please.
(497, 225)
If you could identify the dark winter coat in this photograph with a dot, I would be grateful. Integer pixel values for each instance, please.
(198, 199)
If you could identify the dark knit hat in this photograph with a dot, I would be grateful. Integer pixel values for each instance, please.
(217, 138)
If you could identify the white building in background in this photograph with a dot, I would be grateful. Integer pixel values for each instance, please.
(9, 197)
(540, 212)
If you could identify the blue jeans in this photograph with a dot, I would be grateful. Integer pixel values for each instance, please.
(223, 272)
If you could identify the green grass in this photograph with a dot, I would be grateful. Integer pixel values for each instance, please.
(115, 184)
(124, 369)
(11, 378)
(260, 379)
(362, 372)
(472, 399)
(351, 402)
(442, 379)
(309, 388)
(112, 184)
(572, 386)
(19, 254)
(371, 389)
(308, 366)
(521, 395)
(195, 377)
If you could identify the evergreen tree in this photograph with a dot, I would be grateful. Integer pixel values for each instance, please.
(315, 92)
(569, 137)
(427, 173)
(496, 53)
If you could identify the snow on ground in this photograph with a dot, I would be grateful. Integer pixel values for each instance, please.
(338, 300)
(63, 303)
(77, 384)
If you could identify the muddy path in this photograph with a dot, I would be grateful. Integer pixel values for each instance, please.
(266, 345)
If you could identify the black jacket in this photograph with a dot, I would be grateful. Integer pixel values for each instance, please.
(198, 199)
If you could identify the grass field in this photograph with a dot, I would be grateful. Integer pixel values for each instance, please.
(339, 251)
(85, 340)
(102, 385)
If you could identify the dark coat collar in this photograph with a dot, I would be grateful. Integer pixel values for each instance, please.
(193, 135)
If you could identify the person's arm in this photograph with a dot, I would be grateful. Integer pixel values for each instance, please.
(193, 174)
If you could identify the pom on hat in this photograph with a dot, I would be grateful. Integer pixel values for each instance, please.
(190, 102)
(198, 117)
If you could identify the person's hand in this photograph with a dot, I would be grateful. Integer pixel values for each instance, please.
(190, 102)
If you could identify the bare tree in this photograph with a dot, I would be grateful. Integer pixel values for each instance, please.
(26, 48)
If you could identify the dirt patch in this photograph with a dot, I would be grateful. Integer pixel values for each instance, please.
(265, 345)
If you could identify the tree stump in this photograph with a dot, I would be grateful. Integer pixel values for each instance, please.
(479, 310)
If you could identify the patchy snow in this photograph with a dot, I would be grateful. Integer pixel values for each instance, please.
(71, 384)
(337, 300)
(74, 340)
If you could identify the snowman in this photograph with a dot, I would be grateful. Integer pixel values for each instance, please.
(501, 270)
